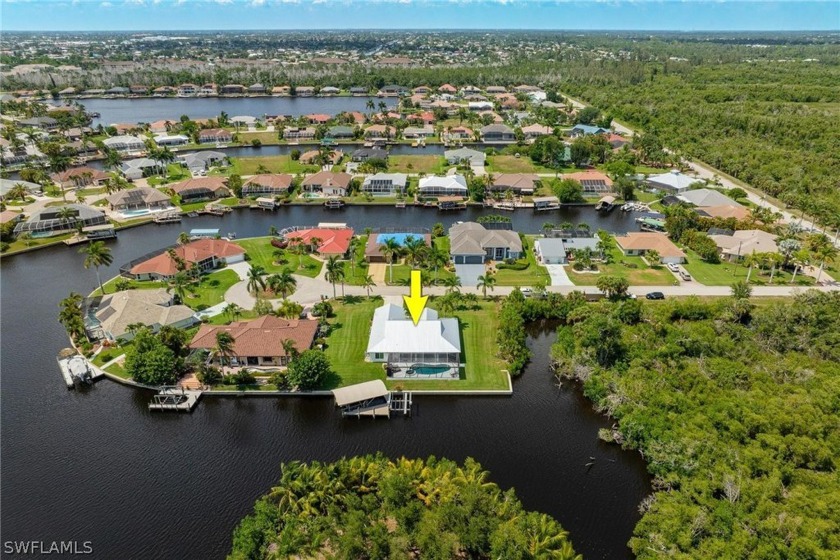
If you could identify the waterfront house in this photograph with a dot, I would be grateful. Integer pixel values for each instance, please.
(724, 212)
(258, 342)
(392, 90)
(214, 136)
(209, 90)
(460, 133)
(78, 177)
(741, 243)
(202, 160)
(341, 131)
(364, 154)
(271, 184)
(160, 126)
(244, 120)
(380, 131)
(305, 91)
(448, 185)
(473, 157)
(188, 89)
(672, 182)
(318, 118)
(199, 189)
(593, 182)
(497, 133)
(385, 184)
(163, 91)
(138, 168)
(294, 133)
(357, 91)
(425, 117)
(517, 183)
(557, 250)
(327, 183)
(373, 251)
(281, 90)
(706, 197)
(326, 241)
(232, 89)
(137, 89)
(125, 144)
(202, 255)
(256, 89)
(329, 91)
(311, 157)
(398, 342)
(8, 184)
(419, 132)
(49, 221)
(140, 198)
(536, 130)
(171, 140)
(640, 242)
(153, 308)
(472, 243)
(41, 123)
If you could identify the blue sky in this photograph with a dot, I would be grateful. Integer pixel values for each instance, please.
(676, 15)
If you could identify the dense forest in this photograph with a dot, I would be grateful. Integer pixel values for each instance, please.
(373, 507)
(736, 410)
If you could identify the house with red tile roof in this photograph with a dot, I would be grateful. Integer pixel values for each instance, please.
(327, 183)
(426, 117)
(318, 118)
(201, 188)
(258, 342)
(640, 242)
(267, 184)
(330, 241)
(446, 88)
(203, 254)
(80, 177)
(591, 181)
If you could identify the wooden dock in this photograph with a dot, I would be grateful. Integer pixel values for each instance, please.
(175, 399)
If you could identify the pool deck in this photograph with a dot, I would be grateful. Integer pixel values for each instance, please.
(406, 373)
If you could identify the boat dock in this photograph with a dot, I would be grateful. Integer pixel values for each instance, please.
(168, 217)
(545, 203)
(92, 233)
(75, 369)
(371, 399)
(175, 398)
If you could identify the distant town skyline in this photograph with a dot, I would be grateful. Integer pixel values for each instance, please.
(615, 15)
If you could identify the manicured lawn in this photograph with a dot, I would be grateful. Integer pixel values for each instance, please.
(641, 275)
(513, 164)
(211, 289)
(275, 164)
(263, 136)
(260, 251)
(111, 285)
(534, 275)
(348, 341)
(118, 370)
(726, 273)
(416, 164)
(20, 245)
(402, 274)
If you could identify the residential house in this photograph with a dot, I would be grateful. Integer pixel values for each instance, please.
(357, 91)
(77, 177)
(472, 243)
(373, 248)
(138, 90)
(385, 184)
(8, 184)
(232, 89)
(593, 182)
(244, 120)
(558, 250)
(524, 88)
(171, 140)
(160, 126)
(327, 183)
(305, 91)
(185, 90)
(422, 90)
(163, 91)
(41, 123)
(745, 242)
(640, 242)
(517, 183)
(448, 185)
(380, 131)
(318, 118)
(199, 189)
(118, 90)
(474, 157)
(49, 221)
(341, 131)
(294, 133)
(154, 308)
(425, 117)
(328, 91)
(10, 217)
(480, 106)
(134, 169)
(281, 90)
(706, 197)
(497, 133)
(202, 160)
(617, 141)
(140, 198)
(495, 89)
(447, 88)
(125, 144)
(397, 341)
(419, 132)
(460, 133)
(364, 154)
(536, 130)
(586, 129)
(256, 89)
(311, 157)
(672, 182)
(724, 212)
(214, 136)
(392, 90)
(271, 184)
(202, 255)
(209, 90)
(327, 241)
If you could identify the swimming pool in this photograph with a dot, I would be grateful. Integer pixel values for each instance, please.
(429, 369)
(398, 237)
(141, 212)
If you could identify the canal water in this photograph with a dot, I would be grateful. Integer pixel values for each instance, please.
(123, 110)
(97, 465)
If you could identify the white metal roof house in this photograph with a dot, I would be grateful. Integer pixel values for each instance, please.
(171, 140)
(396, 340)
(672, 181)
(449, 185)
(385, 184)
(125, 144)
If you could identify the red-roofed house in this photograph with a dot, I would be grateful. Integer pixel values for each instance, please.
(205, 254)
(426, 117)
(446, 88)
(258, 342)
(591, 181)
(318, 118)
(330, 241)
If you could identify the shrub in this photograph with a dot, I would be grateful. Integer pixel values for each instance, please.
(514, 265)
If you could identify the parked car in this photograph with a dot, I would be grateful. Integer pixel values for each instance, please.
(673, 267)
(655, 295)
(685, 275)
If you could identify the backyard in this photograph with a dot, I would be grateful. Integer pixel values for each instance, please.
(726, 273)
(348, 341)
(434, 164)
(260, 251)
(274, 164)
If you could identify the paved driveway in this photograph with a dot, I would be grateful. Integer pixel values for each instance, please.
(469, 273)
(558, 275)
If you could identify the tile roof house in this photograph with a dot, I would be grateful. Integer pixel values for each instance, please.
(332, 241)
(745, 242)
(80, 177)
(140, 198)
(536, 130)
(201, 188)
(258, 342)
(706, 197)
(205, 254)
(267, 184)
(474, 157)
(640, 242)
(519, 183)
(328, 183)
(497, 133)
(591, 181)
(448, 185)
(472, 243)
(419, 132)
(725, 212)
(385, 184)
(154, 308)
(214, 136)
(380, 131)
(396, 340)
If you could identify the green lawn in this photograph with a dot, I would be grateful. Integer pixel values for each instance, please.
(513, 164)
(260, 251)
(275, 164)
(417, 164)
(348, 341)
(211, 289)
(264, 136)
(726, 273)
(640, 275)
(534, 275)
(111, 285)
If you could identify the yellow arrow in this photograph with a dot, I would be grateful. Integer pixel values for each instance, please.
(416, 302)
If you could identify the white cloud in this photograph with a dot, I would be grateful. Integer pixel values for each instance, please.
(105, 5)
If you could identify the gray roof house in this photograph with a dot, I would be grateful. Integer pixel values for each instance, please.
(364, 154)
(385, 184)
(48, 221)
(497, 133)
(556, 250)
(706, 197)
(125, 144)
(471, 243)
(8, 184)
(473, 156)
(340, 132)
(138, 168)
(153, 308)
(673, 181)
(202, 160)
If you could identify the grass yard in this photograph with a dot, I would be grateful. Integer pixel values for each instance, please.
(417, 164)
(275, 164)
(260, 251)
(513, 164)
(726, 273)
(211, 289)
(263, 136)
(641, 275)
(348, 341)
(111, 285)
(534, 275)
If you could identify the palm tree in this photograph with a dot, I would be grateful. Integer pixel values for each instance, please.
(66, 214)
(368, 283)
(825, 254)
(224, 346)
(750, 261)
(179, 285)
(255, 279)
(233, 311)
(96, 255)
(390, 249)
(437, 258)
(452, 283)
(290, 349)
(486, 281)
(17, 191)
(335, 272)
(800, 258)
(183, 238)
(283, 283)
